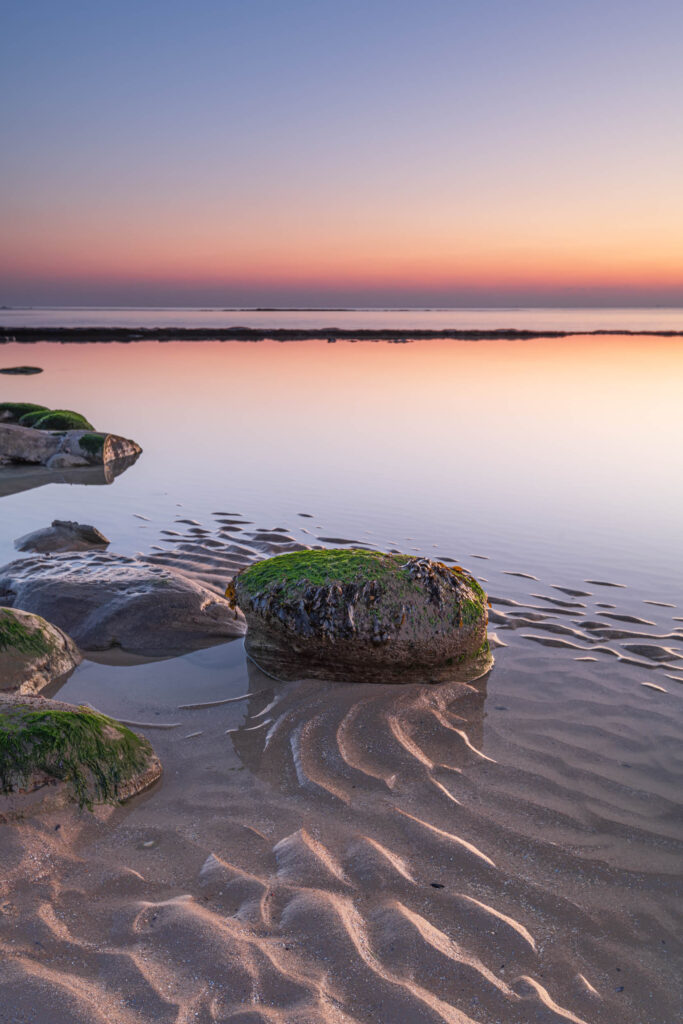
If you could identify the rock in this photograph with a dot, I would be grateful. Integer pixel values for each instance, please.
(63, 449)
(64, 461)
(52, 754)
(23, 370)
(33, 652)
(62, 535)
(364, 616)
(104, 600)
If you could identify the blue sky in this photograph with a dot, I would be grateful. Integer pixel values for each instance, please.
(311, 152)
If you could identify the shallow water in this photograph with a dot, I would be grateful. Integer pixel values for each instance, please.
(548, 793)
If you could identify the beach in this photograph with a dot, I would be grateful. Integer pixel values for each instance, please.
(502, 850)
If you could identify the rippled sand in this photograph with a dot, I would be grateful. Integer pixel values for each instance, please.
(502, 852)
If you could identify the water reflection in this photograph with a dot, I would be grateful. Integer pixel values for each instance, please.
(17, 478)
(333, 738)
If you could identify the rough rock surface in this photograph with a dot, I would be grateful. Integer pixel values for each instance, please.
(53, 754)
(62, 535)
(63, 449)
(33, 652)
(104, 600)
(363, 616)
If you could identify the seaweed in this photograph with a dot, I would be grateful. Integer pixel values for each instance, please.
(19, 409)
(32, 417)
(92, 443)
(318, 568)
(15, 635)
(93, 754)
(62, 419)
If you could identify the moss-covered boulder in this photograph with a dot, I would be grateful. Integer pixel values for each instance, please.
(28, 414)
(53, 753)
(32, 417)
(11, 412)
(33, 652)
(58, 419)
(363, 616)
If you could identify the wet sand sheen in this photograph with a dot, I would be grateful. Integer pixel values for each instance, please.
(354, 853)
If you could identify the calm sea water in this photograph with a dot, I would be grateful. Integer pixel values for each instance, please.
(352, 319)
(560, 457)
(555, 458)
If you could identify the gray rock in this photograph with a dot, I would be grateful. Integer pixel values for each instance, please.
(64, 461)
(33, 652)
(104, 600)
(63, 449)
(62, 535)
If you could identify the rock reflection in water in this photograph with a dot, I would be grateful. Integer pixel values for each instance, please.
(333, 738)
(17, 478)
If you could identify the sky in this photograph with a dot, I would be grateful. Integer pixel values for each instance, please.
(337, 153)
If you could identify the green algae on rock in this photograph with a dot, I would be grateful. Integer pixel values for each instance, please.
(363, 616)
(13, 411)
(59, 419)
(33, 652)
(47, 743)
(92, 443)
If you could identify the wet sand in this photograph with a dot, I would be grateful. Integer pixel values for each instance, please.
(507, 851)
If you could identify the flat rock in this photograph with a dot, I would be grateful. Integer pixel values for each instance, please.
(363, 616)
(60, 754)
(62, 535)
(63, 449)
(103, 600)
(33, 652)
(25, 371)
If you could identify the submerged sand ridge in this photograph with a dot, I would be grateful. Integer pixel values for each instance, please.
(500, 851)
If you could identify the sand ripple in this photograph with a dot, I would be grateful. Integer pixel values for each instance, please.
(346, 854)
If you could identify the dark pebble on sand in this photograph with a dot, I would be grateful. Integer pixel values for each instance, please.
(436, 885)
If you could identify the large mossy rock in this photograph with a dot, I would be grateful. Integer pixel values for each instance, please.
(33, 652)
(104, 600)
(28, 414)
(363, 616)
(53, 753)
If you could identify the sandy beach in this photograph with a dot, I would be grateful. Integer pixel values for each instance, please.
(344, 852)
(341, 513)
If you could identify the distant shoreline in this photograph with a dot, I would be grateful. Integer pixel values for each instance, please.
(125, 335)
